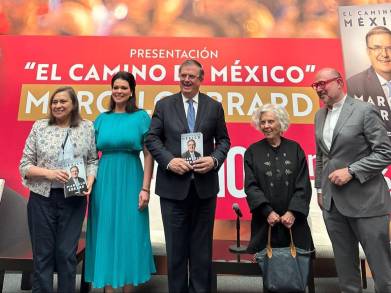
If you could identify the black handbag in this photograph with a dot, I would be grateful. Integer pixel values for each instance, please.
(284, 269)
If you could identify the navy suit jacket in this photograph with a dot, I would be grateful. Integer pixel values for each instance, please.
(164, 142)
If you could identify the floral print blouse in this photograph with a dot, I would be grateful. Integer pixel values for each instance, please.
(43, 146)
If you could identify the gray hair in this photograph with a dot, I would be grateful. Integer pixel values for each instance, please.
(280, 112)
(196, 63)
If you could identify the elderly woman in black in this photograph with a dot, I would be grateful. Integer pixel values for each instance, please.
(55, 221)
(277, 184)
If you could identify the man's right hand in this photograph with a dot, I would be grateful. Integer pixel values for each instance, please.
(179, 166)
(320, 200)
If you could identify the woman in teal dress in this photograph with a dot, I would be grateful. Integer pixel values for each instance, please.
(118, 249)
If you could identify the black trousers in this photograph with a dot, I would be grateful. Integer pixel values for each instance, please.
(55, 225)
(188, 228)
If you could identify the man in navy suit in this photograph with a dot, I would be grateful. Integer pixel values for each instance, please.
(188, 192)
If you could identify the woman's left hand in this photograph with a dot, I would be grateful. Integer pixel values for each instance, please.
(143, 200)
(288, 219)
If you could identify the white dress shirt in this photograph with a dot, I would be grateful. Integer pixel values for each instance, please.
(386, 90)
(329, 125)
(331, 121)
(186, 104)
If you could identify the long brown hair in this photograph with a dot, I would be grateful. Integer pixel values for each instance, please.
(75, 114)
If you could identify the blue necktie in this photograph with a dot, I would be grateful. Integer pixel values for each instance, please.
(191, 115)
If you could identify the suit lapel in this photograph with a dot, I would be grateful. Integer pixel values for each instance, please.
(201, 110)
(320, 125)
(180, 109)
(346, 111)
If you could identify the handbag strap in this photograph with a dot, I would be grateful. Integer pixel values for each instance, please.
(269, 249)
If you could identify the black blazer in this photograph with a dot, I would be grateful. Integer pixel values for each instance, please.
(164, 142)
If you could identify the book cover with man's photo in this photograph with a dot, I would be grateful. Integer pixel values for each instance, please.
(366, 47)
(192, 146)
(77, 182)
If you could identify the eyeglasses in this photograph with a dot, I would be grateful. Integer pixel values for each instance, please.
(189, 76)
(377, 49)
(322, 83)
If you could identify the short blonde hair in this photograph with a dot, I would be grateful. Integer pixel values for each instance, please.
(280, 112)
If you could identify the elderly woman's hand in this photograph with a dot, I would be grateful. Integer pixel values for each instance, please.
(288, 219)
(273, 218)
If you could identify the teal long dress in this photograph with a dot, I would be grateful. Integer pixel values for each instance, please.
(118, 247)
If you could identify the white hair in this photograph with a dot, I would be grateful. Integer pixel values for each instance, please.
(280, 112)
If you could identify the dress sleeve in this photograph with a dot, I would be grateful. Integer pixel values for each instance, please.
(300, 200)
(255, 195)
(144, 125)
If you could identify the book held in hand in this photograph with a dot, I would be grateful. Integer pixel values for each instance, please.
(192, 146)
(77, 182)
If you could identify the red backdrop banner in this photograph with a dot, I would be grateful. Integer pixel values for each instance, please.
(241, 73)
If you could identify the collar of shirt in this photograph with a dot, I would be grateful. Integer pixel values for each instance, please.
(195, 103)
(195, 99)
(337, 106)
(383, 83)
(382, 80)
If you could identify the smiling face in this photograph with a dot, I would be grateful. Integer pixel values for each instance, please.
(190, 81)
(61, 107)
(74, 172)
(191, 146)
(270, 125)
(332, 90)
(379, 53)
(121, 92)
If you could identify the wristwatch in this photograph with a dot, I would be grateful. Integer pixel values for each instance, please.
(215, 163)
(351, 172)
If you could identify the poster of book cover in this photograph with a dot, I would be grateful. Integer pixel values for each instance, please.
(192, 146)
(366, 45)
(76, 184)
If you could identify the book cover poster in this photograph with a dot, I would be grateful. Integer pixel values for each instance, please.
(192, 146)
(77, 183)
(366, 44)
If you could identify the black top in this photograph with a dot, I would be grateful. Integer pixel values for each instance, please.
(276, 178)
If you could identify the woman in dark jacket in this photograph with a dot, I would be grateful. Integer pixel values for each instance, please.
(277, 184)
